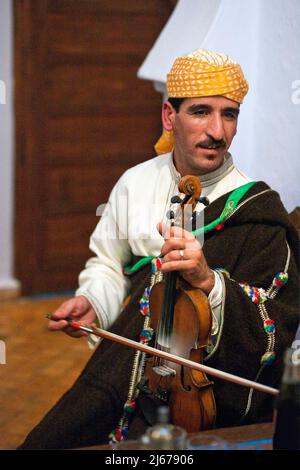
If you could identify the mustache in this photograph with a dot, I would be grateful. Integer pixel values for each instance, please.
(211, 143)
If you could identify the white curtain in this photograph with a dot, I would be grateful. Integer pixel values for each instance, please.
(264, 37)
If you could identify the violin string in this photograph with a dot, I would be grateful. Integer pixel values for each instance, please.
(166, 318)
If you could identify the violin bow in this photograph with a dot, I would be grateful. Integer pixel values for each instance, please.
(170, 357)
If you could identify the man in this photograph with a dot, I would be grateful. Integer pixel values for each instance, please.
(245, 265)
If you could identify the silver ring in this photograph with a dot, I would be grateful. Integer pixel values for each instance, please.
(181, 254)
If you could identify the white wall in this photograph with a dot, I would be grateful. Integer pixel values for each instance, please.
(264, 37)
(7, 280)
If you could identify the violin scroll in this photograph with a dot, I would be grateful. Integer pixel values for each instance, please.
(190, 185)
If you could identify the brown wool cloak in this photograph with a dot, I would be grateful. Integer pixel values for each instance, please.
(252, 248)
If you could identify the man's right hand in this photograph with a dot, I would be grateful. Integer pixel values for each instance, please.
(77, 308)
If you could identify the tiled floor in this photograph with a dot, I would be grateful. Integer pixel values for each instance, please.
(40, 366)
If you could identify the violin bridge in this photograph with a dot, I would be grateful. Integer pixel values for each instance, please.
(164, 370)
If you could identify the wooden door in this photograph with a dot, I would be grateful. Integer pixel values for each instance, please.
(82, 118)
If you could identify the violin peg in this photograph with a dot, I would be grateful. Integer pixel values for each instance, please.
(203, 200)
(170, 215)
(176, 200)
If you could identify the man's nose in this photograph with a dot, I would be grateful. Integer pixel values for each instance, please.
(215, 128)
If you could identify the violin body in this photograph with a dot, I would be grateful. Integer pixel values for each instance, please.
(188, 392)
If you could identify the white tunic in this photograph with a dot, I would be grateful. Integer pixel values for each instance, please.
(140, 200)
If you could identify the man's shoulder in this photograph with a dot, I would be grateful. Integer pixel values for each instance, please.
(144, 175)
(256, 202)
(263, 204)
(147, 169)
(155, 162)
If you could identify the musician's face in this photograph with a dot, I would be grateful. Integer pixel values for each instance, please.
(203, 130)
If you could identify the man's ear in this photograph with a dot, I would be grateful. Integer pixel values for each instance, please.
(168, 116)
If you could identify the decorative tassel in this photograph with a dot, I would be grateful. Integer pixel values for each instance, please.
(144, 302)
(269, 326)
(258, 295)
(267, 358)
(129, 406)
(280, 279)
(155, 265)
(146, 334)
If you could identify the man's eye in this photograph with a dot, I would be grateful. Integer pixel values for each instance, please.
(201, 112)
(230, 115)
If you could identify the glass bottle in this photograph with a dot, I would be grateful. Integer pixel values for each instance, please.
(287, 407)
(164, 435)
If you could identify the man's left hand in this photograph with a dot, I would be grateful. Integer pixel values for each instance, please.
(182, 252)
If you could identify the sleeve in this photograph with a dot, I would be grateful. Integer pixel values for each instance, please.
(102, 281)
(259, 318)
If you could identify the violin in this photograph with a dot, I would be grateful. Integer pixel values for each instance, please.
(181, 318)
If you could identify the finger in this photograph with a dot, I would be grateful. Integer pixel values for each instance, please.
(65, 310)
(74, 332)
(71, 308)
(57, 325)
(163, 229)
(174, 232)
(193, 251)
(194, 255)
(179, 232)
(168, 232)
(176, 244)
(174, 255)
(177, 265)
(172, 244)
(63, 325)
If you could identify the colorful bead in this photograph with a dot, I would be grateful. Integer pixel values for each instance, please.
(267, 358)
(129, 406)
(146, 334)
(112, 437)
(144, 310)
(280, 279)
(144, 302)
(155, 265)
(118, 434)
(258, 295)
(219, 226)
(269, 326)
